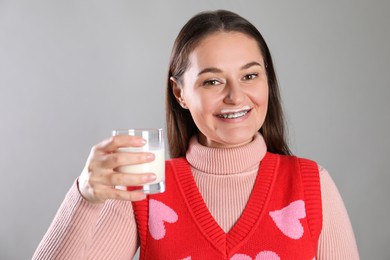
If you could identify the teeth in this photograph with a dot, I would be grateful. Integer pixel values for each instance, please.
(234, 115)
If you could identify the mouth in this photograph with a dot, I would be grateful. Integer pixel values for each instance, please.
(234, 115)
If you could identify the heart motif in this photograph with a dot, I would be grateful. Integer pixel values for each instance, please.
(241, 257)
(263, 255)
(158, 214)
(267, 255)
(287, 219)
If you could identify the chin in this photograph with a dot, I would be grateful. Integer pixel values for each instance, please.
(228, 138)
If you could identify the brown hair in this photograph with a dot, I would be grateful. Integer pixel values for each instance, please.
(180, 125)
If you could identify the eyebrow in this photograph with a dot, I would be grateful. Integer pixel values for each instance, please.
(216, 70)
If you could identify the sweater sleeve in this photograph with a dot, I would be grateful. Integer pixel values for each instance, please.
(337, 240)
(81, 230)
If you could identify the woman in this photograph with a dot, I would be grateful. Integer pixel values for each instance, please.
(233, 189)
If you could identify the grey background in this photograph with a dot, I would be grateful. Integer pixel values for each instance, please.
(70, 71)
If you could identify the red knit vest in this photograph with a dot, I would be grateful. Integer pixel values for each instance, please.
(282, 219)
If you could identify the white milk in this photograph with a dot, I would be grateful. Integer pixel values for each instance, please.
(157, 166)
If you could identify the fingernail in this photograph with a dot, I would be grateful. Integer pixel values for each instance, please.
(150, 177)
(150, 156)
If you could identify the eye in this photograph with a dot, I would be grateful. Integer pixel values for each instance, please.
(250, 76)
(211, 82)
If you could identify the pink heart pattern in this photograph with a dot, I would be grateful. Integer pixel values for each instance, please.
(267, 255)
(241, 257)
(263, 255)
(287, 219)
(159, 213)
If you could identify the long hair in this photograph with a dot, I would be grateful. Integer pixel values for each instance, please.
(180, 125)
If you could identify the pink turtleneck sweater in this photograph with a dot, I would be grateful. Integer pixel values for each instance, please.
(225, 178)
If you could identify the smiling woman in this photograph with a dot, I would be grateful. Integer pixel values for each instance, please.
(233, 187)
(195, 33)
(226, 91)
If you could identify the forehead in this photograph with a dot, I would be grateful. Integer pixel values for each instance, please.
(225, 48)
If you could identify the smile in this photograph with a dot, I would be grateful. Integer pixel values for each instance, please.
(234, 115)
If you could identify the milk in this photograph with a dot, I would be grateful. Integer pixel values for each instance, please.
(157, 166)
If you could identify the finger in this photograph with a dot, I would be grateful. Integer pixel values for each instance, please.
(117, 194)
(128, 179)
(110, 178)
(113, 143)
(117, 159)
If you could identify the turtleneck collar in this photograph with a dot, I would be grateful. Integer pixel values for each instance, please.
(226, 161)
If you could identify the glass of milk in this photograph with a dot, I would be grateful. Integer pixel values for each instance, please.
(155, 144)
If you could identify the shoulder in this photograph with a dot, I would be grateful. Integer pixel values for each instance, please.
(323, 171)
(174, 160)
(329, 189)
(178, 162)
(305, 165)
(328, 186)
(326, 180)
(287, 157)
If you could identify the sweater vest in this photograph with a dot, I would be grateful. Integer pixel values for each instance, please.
(282, 218)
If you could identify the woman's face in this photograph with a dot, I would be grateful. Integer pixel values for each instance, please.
(225, 89)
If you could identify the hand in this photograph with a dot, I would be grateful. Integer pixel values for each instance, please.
(100, 175)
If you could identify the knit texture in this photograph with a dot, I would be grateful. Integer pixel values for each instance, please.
(275, 188)
(81, 230)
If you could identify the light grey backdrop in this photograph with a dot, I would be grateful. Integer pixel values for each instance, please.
(70, 71)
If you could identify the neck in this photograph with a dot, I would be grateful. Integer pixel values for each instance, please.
(223, 161)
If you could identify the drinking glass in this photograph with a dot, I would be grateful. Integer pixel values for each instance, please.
(154, 144)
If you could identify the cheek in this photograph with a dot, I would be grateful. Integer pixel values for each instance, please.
(262, 97)
(200, 109)
(196, 101)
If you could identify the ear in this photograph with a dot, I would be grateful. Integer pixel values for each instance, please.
(177, 92)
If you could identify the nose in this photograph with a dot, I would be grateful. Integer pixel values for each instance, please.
(234, 94)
